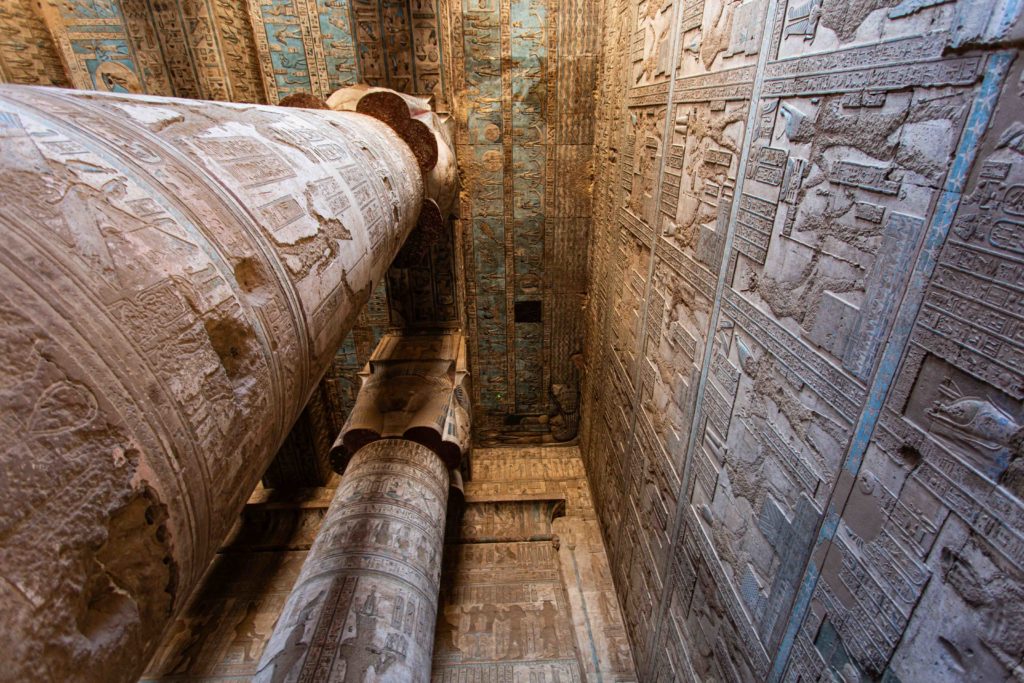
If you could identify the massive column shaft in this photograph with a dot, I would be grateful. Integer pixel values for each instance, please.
(365, 604)
(174, 279)
(366, 600)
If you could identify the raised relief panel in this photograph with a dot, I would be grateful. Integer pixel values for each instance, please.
(719, 35)
(126, 60)
(527, 589)
(933, 523)
(814, 26)
(652, 45)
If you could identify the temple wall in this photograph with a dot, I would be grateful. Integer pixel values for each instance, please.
(803, 411)
(526, 591)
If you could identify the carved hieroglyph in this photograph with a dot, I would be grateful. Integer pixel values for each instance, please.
(176, 276)
(367, 596)
(782, 499)
(526, 593)
(522, 76)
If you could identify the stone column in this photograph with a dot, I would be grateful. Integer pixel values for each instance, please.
(366, 599)
(175, 277)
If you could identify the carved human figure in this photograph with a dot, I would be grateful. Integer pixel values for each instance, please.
(175, 277)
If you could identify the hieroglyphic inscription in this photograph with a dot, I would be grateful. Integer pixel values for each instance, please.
(829, 382)
(826, 205)
(28, 54)
(158, 249)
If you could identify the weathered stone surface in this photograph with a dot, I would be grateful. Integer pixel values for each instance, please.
(221, 633)
(366, 599)
(176, 277)
(526, 591)
(773, 201)
(415, 387)
(801, 315)
(367, 596)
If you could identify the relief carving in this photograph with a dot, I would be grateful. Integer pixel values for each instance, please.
(158, 393)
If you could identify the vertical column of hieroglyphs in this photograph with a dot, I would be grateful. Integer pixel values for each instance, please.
(385, 45)
(337, 46)
(574, 42)
(233, 37)
(476, 47)
(529, 67)
(368, 35)
(304, 46)
(208, 48)
(176, 278)
(427, 50)
(28, 54)
(609, 137)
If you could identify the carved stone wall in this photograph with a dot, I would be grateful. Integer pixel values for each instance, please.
(526, 592)
(803, 410)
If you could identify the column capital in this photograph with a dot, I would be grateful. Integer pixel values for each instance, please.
(414, 387)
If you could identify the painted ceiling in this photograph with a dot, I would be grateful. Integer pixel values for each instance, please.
(518, 84)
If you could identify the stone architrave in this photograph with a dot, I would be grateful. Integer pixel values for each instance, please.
(175, 277)
(366, 600)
